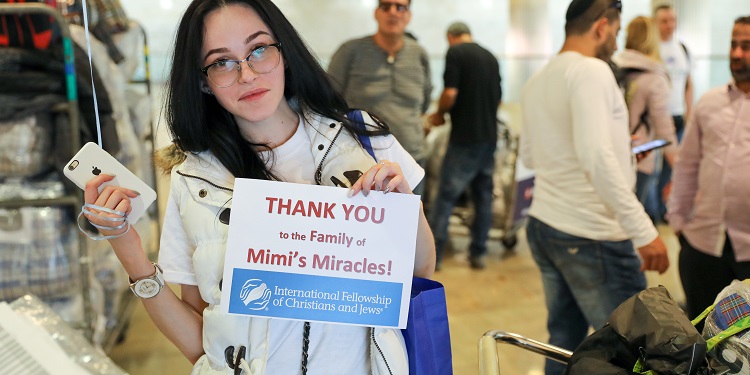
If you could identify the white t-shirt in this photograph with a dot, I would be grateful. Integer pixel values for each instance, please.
(678, 66)
(294, 163)
(575, 136)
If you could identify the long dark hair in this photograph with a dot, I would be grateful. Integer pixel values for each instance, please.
(198, 122)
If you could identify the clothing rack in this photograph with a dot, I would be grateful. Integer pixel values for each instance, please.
(106, 306)
(74, 200)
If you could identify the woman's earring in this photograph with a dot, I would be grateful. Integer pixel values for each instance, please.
(206, 89)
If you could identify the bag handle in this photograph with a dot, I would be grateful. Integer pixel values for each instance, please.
(639, 368)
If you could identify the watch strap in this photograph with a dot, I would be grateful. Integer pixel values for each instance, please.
(157, 276)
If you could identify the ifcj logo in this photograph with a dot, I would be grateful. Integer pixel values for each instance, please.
(255, 294)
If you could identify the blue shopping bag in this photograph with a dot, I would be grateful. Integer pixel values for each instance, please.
(427, 335)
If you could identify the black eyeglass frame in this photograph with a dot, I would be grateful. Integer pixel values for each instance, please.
(205, 69)
(386, 6)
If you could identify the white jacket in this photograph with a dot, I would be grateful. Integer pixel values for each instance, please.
(202, 189)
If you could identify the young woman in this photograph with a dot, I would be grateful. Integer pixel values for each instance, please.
(247, 99)
(647, 96)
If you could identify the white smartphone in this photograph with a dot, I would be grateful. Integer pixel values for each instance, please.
(91, 160)
(648, 146)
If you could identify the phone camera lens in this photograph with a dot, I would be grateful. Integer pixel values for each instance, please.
(73, 165)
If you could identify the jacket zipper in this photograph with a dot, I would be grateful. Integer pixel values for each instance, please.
(319, 170)
(372, 334)
(205, 180)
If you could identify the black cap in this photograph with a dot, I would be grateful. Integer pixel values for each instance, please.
(577, 8)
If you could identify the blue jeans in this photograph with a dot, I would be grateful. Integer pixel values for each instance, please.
(584, 281)
(666, 171)
(465, 166)
(645, 190)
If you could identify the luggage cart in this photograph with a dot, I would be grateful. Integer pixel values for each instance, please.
(512, 184)
(516, 183)
(489, 363)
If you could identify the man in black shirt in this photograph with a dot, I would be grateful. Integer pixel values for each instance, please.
(472, 95)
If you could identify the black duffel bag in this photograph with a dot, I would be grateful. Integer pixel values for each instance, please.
(646, 334)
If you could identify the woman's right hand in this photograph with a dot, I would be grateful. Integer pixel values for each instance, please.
(111, 197)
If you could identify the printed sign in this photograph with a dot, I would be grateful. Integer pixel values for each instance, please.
(311, 253)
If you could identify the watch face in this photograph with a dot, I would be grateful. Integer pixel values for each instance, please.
(147, 288)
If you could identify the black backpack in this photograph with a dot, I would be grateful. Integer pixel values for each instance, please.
(625, 77)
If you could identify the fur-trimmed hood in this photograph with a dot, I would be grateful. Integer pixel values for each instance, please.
(168, 157)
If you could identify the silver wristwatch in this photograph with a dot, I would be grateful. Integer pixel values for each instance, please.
(148, 286)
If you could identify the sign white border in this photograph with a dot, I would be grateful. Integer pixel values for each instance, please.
(299, 251)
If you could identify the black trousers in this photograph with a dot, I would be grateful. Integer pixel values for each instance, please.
(704, 276)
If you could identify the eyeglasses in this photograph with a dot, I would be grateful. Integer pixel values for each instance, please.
(578, 8)
(386, 6)
(262, 60)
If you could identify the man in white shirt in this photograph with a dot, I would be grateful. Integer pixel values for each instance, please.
(585, 219)
(675, 55)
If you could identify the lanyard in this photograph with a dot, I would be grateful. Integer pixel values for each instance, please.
(91, 70)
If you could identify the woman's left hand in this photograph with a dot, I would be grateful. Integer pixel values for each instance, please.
(385, 176)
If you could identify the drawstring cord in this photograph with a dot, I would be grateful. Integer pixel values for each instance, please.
(243, 366)
(305, 346)
(236, 363)
(239, 364)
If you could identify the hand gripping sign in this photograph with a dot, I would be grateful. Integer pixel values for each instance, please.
(308, 252)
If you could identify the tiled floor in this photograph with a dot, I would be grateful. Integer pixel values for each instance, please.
(507, 295)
